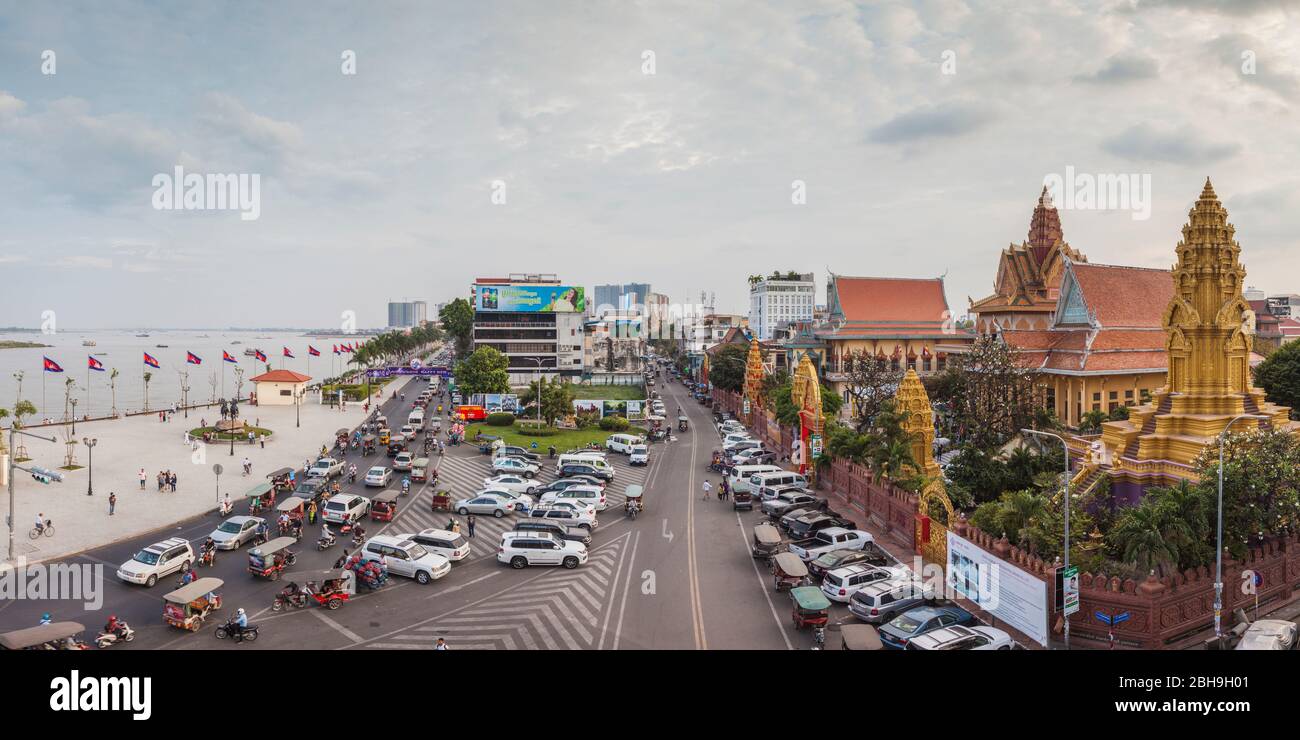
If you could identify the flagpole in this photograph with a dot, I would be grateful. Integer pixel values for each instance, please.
(87, 389)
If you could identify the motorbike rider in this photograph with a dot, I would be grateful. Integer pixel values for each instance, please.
(240, 622)
(262, 530)
(406, 486)
(325, 534)
(358, 534)
(45, 619)
(208, 549)
(226, 505)
(115, 627)
(352, 473)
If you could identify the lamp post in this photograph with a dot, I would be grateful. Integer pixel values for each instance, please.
(74, 417)
(1065, 485)
(297, 405)
(90, 469)
(1218, 528)
(14, 466)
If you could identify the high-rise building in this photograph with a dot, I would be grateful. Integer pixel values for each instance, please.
(535, 321)
(620, 297)
(777, 300)
(404, 314)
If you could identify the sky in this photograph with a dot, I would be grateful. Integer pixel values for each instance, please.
(660, 142)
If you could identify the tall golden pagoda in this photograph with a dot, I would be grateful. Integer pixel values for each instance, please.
(912, 404)
(1208, 340)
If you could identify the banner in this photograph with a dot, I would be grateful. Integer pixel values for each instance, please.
(530, 298)
(388, 372)
(635, 410)
(1009, 593)
(496, 402)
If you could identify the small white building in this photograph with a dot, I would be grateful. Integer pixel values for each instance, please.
(280, 387)
(777, 300)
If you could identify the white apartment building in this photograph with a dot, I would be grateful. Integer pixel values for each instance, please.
(776, 300)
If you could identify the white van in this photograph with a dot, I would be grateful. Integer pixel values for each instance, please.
(736, 437)
(623, 443)
(740, 475)
(595, 461)
(776, 479)
(416, 419)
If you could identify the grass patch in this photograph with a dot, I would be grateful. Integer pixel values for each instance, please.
(242, 436)
(354, 391)
(71, 467)
(565, 439)
(610, 392)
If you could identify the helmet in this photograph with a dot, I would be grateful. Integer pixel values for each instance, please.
(112, 617)
(46, 615)
(239, 611)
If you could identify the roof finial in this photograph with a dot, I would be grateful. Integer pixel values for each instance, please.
(1207, 193)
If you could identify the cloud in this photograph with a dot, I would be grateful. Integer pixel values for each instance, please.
(943, 121)
(1121, 69)
(1183, 145)
(1224, 7)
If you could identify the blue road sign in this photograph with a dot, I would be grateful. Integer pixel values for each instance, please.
(1103, 618)
(1119, 618)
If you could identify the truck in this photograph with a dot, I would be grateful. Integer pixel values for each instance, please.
(327, 468)
(834, 538)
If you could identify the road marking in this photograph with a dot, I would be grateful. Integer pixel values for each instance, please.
(354, 637)
(613, 589)
(459, 586)
(692, 567)
(622, 610)
(762, 584)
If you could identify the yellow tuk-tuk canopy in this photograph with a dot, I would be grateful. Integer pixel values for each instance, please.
(259, 490)
(196, 590)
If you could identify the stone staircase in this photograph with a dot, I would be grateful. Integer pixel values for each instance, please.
(1149, 426)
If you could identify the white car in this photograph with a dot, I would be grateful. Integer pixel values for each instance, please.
(522, 549)
(379, 476)
(514, 465)
(565, 515)
(172, 555)
(442, 542)
(581, 507)
(584, 495)
(511, 482)
(408, 432)
(640, 455)
(406, 558)
(403, 461)
(839, 584)
(958, 637)
(326, 467)
(523, 501)
(1268, 634)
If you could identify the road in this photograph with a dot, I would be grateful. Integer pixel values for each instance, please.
(678, 577)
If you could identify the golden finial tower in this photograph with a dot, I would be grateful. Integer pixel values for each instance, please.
(912, 404)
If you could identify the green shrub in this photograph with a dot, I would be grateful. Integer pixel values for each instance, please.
(614, 424)
(500, 419)
(533, 430)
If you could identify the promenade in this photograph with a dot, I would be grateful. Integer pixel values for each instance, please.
(126, 445)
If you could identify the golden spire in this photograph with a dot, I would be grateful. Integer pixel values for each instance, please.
(912, 404)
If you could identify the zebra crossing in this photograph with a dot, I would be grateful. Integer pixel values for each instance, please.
(558, 610)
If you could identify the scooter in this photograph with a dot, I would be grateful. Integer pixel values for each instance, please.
(225, 508)
(324, 543)
(352, 476)
(282, 600)
(107, 639)
(406, 488)
(208, 558)
(231, 629)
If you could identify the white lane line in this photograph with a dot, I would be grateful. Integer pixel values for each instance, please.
(762, 584)
(459, 586)
(352, 636)
(622, 610)
(613, 589)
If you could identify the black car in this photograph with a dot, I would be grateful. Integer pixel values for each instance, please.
(870, 555)
(581, 469)
(811, 525)
(575, 534)
(312, 489)
(396, 448)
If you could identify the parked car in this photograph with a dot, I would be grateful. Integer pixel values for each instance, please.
(1268, 634)
(519, 452)
(789, 500)
(172, 555)
(832, 538)
(405, 558)
(872, 554)
(900, 630)
(563, 531)
(442, 542)
(810, 524)
(585, 469)
(379, 476)
(880, 602)
(564, 516)
(312, 489)
(584, 507)
(840, 584)
(957, 637)
(326, 467)
(587, 495)
(495, 503)
(522, 549)
(640, 455)
(236, 531)
(514, 465)
(511, 482)
(523, 501)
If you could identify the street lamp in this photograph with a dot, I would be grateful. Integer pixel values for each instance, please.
(1218, 551)
(297, 405)
(90, 469)
(1065, 485)
(15, 466)
(74, 416)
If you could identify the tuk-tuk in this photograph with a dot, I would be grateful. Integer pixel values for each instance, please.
(295, 508)
(368, 443)
(488, 442)
(396, 448)
(767, 541)
(435, 425)
(788, 571)
(270, 559)
(283, 480)
(335, 587)
(441, 501)
(341, 438)
(381, 421)
(811, 607)
(383, 506)
(260, 497)
(859, 637)
(635, 500)
(385, 435)
(52, 636)
(682, 423)
(188, 606)
(420, 469)
(718, 463)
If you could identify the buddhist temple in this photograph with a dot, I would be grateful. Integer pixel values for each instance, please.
(1209, 381)
(1029, 276)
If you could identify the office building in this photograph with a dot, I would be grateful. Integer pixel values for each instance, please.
(535, 321)
(405, 314)
(619, 297)
(777, 300)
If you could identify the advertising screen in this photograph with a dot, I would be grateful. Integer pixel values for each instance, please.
(531, 298)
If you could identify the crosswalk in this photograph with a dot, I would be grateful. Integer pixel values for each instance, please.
(559, 610)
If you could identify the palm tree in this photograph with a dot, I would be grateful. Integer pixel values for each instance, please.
(4, 413)
(1091, 421)
(1145, 535)
(147, 377)
(112, 386)
(1019, 510)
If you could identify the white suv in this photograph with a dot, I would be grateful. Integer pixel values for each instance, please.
(345, 508)
(841, 583)
(406, 558)
(522, 549)
(159, 559)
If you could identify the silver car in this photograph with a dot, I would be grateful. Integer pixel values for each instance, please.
(233, 533)
(496, 503)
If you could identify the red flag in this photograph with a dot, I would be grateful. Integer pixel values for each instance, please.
(226, 356)
(260, 355)
(51, 366)
(94, 364)
(313, 351)
(287, 353)
(151, 361)
(193, 359)
(336, 349)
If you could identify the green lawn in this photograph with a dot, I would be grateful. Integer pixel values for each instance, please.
(610, 392)
(566, 440)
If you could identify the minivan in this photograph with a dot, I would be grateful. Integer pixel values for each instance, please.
(416, 419)
(623, 442)
(596, 462)
(777, 479)
(346, 508)
(740, 475)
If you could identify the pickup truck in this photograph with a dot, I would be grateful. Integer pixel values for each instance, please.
(327, 468)
(810, 524)
(835, 538)
(871, 554)
(789, 500)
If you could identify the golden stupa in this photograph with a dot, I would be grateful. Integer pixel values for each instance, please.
(1209, 383)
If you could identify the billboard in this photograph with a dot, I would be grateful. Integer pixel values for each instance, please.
(495, 402)
(530, 298)
(1007, 592)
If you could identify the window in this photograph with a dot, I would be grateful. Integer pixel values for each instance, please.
(1114, 395)
(286, 393)
(1096, 397)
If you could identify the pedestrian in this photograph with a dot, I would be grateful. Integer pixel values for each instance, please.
(142, 478)
(262, 439)
(342, 561)
(441, 644)
(112, 502)
(707, 488)
(469, 523)
(160, 481)
(311, 515)
(173, 482)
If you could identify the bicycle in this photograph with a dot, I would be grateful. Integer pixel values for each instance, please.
(47, 530)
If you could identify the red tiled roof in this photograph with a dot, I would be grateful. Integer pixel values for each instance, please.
(888, 301)
(282, 376)
(1125, 296)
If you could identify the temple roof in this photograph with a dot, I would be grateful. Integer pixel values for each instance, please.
(1029, 273)
(891, 307)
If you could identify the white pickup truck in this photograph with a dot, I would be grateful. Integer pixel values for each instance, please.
(327, 468)
(831, 538)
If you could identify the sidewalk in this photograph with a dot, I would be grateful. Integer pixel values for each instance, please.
(125, 445)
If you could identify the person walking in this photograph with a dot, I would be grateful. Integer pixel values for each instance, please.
(160, 481)
(142, 478)
(469, 524)
(441, 644)
(112, 502)
(172, 481)
(707, 488)
(311, 514)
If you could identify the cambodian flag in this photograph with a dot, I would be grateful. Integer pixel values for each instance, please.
(51, 366)
(347, 348)
(226, 356)
(94, 364)
(193, 359)
(313, 351)
(151, 361)
(287, 353)
(260, 355)
(336, 349)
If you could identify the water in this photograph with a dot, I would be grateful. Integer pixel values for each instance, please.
(125, 351)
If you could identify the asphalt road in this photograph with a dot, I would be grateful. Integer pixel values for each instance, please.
(678, 577)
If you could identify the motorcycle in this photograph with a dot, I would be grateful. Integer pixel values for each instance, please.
(819, 638)
(406, 488)
(632, 511)
(208, 558)
(325, 543)
(107, 639)
(352, 476)
(282, 600)
(231, 629)
(358, 538)
(225, 508)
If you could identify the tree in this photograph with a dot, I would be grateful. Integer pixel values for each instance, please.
(557, 399)
(147, 377)
(484, 371)
(871, 382)
(1261, 485)
(1145, 536)
(1091, 421)
(992, 395)
(457, 319)
(21, 409)
(778, 397)
(1279, 376)
(727, 367)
